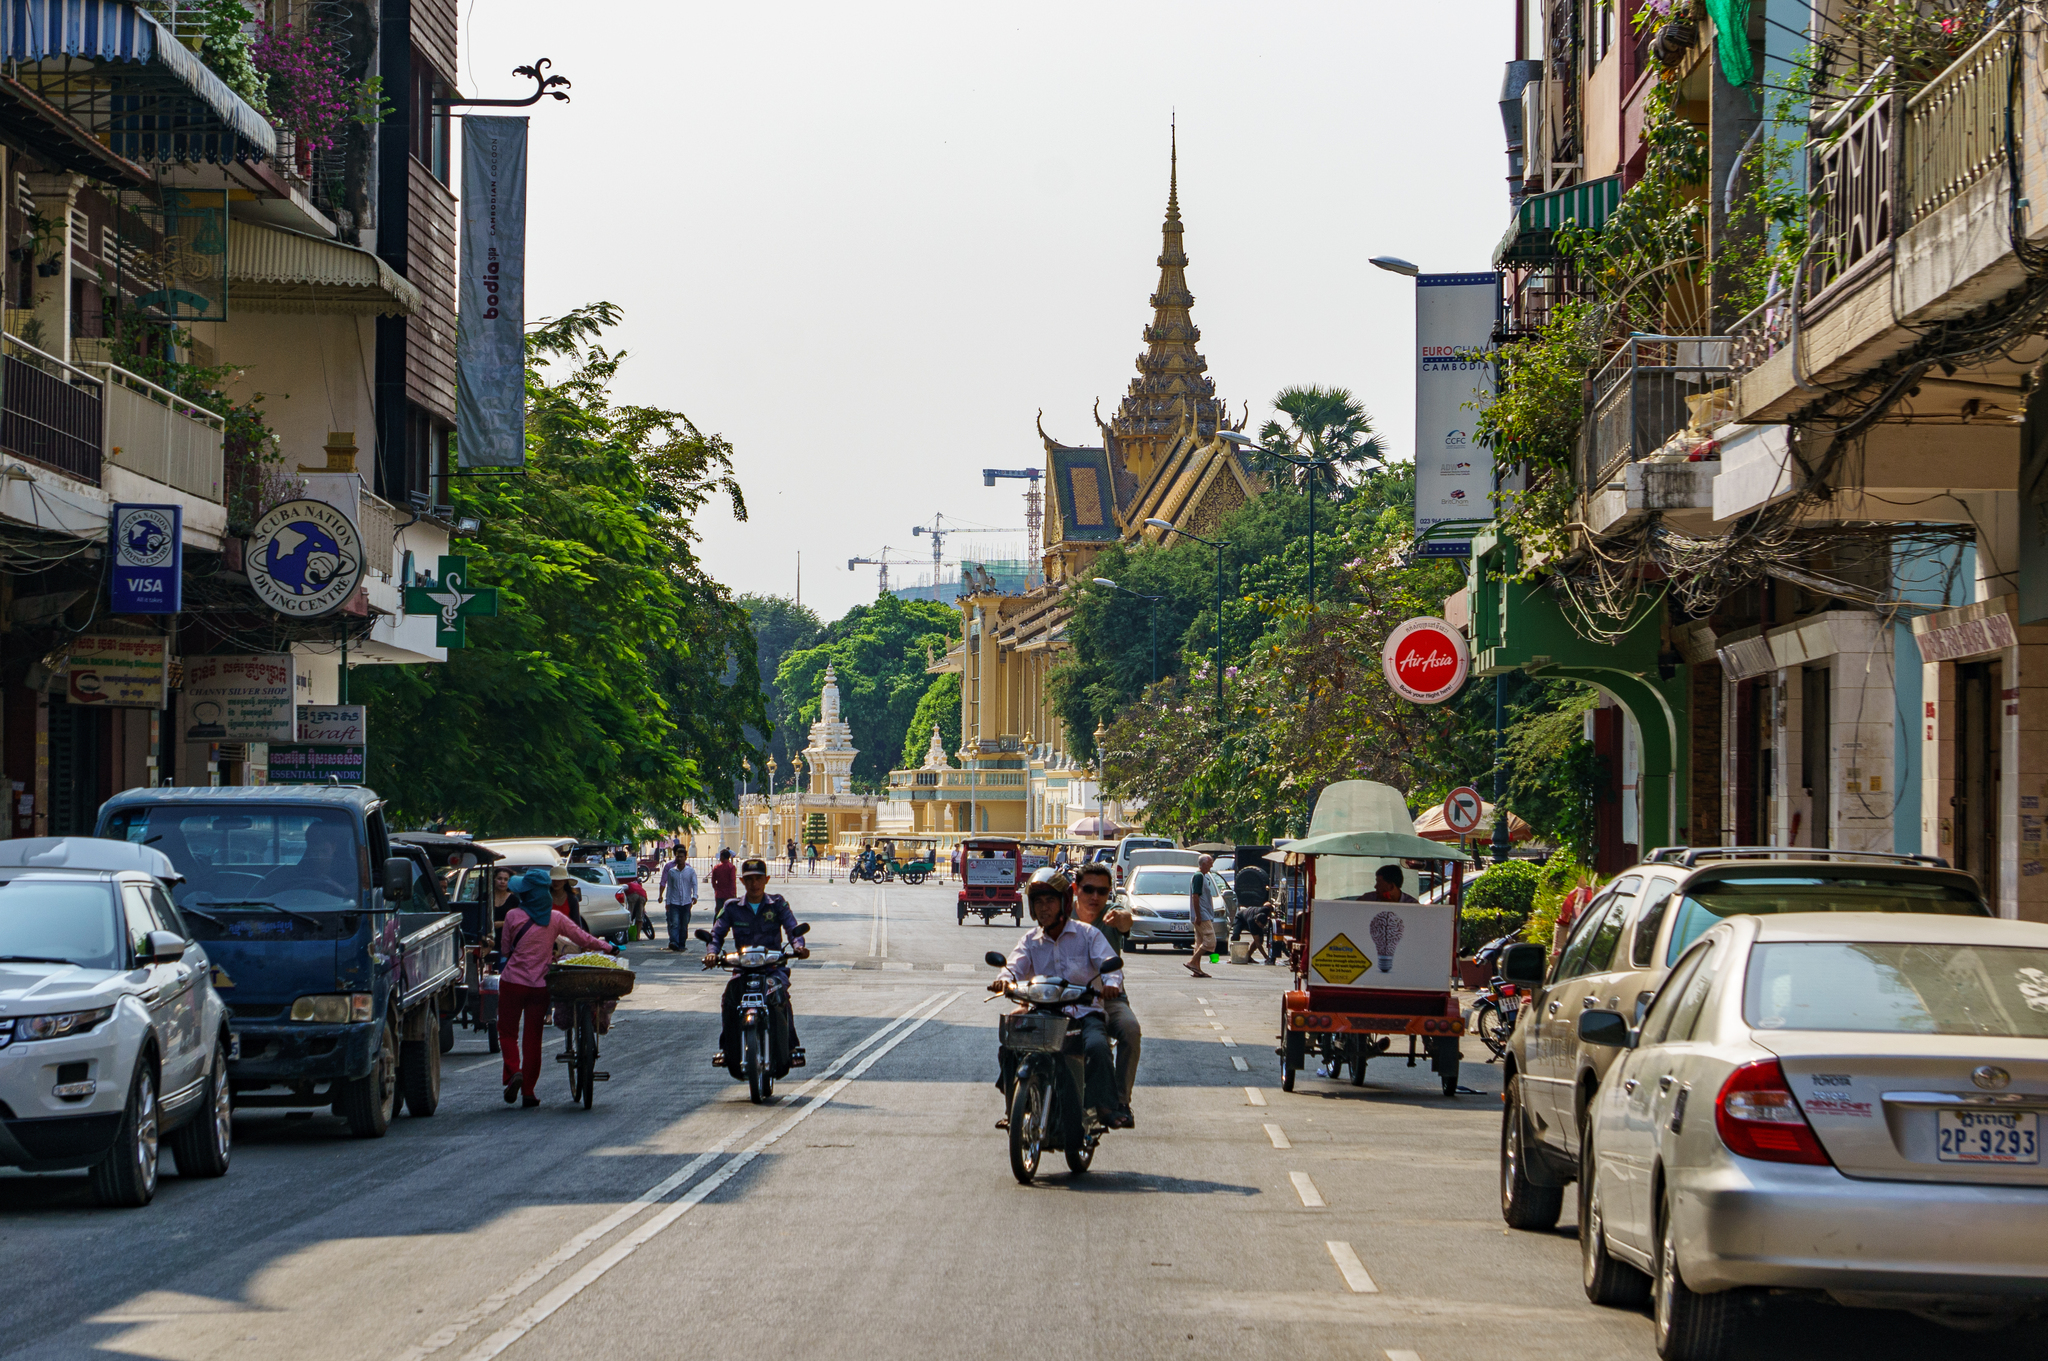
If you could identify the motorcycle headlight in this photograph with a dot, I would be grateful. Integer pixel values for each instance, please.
(1042, 993)
(334, 1008)
(58, 1024)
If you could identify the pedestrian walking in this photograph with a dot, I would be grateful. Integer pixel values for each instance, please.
(725, 881)
(678, 896)
(792, 855)
(811, 851)
(1205, 896)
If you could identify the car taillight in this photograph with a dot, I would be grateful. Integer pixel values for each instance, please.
(1758, 1117)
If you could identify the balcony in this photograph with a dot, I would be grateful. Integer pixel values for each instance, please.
(154, 432)
(1652, 390)
(51, 412)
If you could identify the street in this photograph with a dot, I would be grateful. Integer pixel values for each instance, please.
(868, 1212)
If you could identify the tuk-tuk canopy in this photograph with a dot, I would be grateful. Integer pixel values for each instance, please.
(1375, 846)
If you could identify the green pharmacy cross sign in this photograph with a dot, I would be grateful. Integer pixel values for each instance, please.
(452, 600)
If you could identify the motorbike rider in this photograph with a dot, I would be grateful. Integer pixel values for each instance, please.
(1092, 887)
(1062, 947)
(755, 918)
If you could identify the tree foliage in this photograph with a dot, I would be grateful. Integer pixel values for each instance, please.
(1322, 423)
(781, 626)
(618, 678)
(940, 705)
(879, 653)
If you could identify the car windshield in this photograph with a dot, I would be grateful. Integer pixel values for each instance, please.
(60, 921)
(253, 859)
(1156, 843)
(1898, 989)
(1180, 881)
(1706, 903)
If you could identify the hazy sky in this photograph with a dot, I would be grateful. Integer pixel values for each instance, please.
(867, 243)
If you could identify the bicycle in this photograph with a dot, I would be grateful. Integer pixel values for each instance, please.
(584, 987)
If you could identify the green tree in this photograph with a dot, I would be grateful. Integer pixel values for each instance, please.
(781, 626)
(878, 651)
(940, 705)
(1321, 423)
(618, 679)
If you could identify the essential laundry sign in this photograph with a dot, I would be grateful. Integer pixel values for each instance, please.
(111, 672)
(239, 698)
(147, 574)
(305, 559)
(1454, 320)
(1425, 660)
(490, 332)
(311, 763)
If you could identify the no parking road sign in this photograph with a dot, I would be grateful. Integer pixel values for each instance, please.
(1463, 810)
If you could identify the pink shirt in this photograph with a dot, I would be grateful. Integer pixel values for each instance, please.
(527, 964)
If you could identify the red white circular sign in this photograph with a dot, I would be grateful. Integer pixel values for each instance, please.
(1463, 810)
(1425, 661)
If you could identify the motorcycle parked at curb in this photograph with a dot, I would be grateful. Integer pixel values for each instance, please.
(1046, 1103)
(1493, 1014)
(762, 1054)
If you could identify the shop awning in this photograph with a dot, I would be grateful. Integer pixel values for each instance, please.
(114, 68)
(1531, 236)
(271, 269)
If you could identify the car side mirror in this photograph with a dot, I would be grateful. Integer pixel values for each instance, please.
(162, 947)
(994, 960)
(1608, 1029)
(398, 873)
(1524, 963)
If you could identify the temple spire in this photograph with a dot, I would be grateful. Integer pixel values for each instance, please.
(1173, 174)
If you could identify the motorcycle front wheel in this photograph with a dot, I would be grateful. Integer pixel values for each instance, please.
(1027, 1128)
(754, 1054)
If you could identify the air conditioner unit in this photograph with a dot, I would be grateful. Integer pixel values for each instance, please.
(1536, 141)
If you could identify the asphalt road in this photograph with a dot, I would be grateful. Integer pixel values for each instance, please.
(869, 1212)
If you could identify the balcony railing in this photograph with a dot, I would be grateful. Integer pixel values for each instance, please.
(153, 431)
(1956, 126)
(1643, 396)
(1852, 227)
(51, 412)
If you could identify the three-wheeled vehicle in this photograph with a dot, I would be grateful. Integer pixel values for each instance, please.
(916, 858)
(990, 870)
(462, 868)
(1367, 970)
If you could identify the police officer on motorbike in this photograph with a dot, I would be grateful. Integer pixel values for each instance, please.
(755, 918)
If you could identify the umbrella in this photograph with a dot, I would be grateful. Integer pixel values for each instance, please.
(1433, 826)
(1094, 829)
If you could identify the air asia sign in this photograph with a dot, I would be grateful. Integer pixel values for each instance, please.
(1425, 661)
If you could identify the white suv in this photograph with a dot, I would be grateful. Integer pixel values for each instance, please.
(111, 1034)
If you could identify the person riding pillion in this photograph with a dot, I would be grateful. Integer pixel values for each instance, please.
(1062, 947)
(755, 918)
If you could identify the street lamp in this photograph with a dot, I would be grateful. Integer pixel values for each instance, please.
(1219, 546)
(1151, 618)
(1245, 443)
(1394, 264)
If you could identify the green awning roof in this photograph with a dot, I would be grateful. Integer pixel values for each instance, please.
(1531, 234)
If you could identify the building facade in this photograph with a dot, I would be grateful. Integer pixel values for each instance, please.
(820, 808)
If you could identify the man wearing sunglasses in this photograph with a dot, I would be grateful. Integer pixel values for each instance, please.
(1092, 888)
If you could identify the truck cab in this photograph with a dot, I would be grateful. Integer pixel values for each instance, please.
(332, 982)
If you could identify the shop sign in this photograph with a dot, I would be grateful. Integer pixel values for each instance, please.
(118, 673)
(147, 576)
(341, 724)
(240, 698)
(305, 559)
(452, 600)
(315, 763)
(1425, 661)
(1971, 638)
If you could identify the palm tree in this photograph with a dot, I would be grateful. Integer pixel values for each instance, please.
(1321, 423)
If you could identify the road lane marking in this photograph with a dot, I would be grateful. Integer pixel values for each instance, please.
(1277, 1135)
(878, 925)
(1254, 1097)
(1241, 1067)
(575, 1246)
(1403, 1355)
(595, 1270)
(1228, 1043)
(1354, 1272)
(1203, 1000)
(1210, 1011)
(1215, 1025)
(1311, 1199)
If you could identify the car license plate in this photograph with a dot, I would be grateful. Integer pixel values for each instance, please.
(1507, 1014)
(234, 1046)
(1987, 1137)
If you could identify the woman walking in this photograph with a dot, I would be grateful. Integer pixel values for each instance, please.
(526, 943)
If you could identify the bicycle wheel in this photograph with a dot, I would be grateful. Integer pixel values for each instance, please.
(575, 1068)
(586, 1050)
(1488, 1026)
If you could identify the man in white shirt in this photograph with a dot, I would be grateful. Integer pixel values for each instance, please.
(1061, 947)
(678, 896)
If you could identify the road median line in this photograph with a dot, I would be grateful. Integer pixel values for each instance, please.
(1353, 1270)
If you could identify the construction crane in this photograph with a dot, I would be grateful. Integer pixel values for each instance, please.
(883, 562)
(1034, 511)
(939, 529)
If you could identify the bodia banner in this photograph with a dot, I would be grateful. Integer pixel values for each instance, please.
(490, 333)
(1454, 316)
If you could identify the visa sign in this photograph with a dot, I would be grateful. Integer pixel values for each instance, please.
(149, 560)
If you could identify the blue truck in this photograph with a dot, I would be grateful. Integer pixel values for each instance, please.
(335, 980)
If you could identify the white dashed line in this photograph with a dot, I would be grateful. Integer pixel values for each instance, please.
(1277, 1135)
(1253, 1096)
(1355, 1276)
(1203, 1001)
(1228, 1043)
(1311, 1199)
(1393, 1355)
(1242, 1067)
(1209, 1011)
(1215, 1025)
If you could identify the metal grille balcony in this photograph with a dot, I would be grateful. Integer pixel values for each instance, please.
(50, 412)
(1642, 397)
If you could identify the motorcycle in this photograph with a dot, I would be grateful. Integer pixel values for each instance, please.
(762, 1016)
(1046, 1112)
(875, 872)
(1499, 1003)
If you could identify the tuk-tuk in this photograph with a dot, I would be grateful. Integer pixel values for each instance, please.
(916, 858)
(1367, 969)
(991, 869)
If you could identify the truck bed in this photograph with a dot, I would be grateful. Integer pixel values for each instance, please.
(428, 955)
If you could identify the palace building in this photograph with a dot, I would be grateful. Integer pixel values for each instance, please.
(1156, 457)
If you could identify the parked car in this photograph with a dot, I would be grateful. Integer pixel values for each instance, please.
(1620, 949)
(605, 912)
(1844, 1105)
(111, 1033)
(1137, 842)
(1157, 896)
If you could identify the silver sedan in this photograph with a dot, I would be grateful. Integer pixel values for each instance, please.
(1158, 899)
(1844, 1105)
